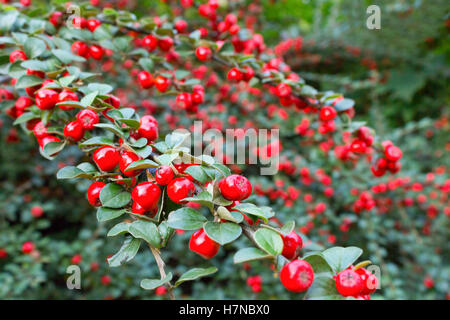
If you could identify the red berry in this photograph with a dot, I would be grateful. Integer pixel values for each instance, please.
(235, 187)
(37, 211)
(165, 43)
(348, 283)
(23, 102)
(74, 130)
(46, 99)
(145, 79)
(297, 276)
(164, 175)
(27, 247)
(76, 259)
(148, 128)
(393, 153)
(80, 48)
(292, 244)
(283, 90)
(203, 53)
(126, 158)
(96, 52)
(181, 26)
(93, 24)
(162, 83)
(327, 113)
(203, 245)
(88, 118)
(40, 130)
(106, 158)
(369, 281)
(234, 75)
(93, 193)
(184, 100)
(248, 74)
(56, 18)
(180, 188)
(79, 22)
(17, 55)
(67, 95)
(150, 41)
(146, 194)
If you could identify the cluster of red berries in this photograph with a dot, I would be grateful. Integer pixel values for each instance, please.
(390, 161)
(255, 283)
(190, 101)
(359, 283)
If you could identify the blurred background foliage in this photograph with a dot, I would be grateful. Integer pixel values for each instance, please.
(397, 75)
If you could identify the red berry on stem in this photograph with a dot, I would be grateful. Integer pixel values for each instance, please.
(393, 153)
(180, 188)
(46, 99)
(162, 83)
(66, 95)
(27, 247)
(203, 53)
(369, 281)
(164, 175)
(88, 118)
(146, 194)
(93, 193)
(145, 79)
(96, 52)
(292, 244)
(74, 130)
(297, 276)
(150, 41)
(148, 128)
(165, 44)
(234, 75)
(327, 113)
(126, 158)
(203, 245)
(106, 158)
(348, 283)
(80, 48)
(17, 55)
(235, 187)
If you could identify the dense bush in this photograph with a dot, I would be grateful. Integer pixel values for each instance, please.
(338, 182)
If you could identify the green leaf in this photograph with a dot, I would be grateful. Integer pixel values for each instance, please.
(186, 219)
(340, 258)
(118, 229)
(127, 252)
(113, 196)
(141, 164)
(166, 159)
(142, 142)
(146, 64)
(88, 99)
(70, 172)
(105, 214)
(110, 127)
(323, 288)
(269, 240)
(53, 148)
(28, 80)
(34, 47)
(232, 216)
(287, 228)
(197, 173)
(222, 232)
(249, 254)
(101, 88)
(147, 231)
(97, 141)
(144, 152)
(66, 57)
(195, 274)
(151, 284)
(204, 198)
(25, 118)
(318, 263)
(251, 209)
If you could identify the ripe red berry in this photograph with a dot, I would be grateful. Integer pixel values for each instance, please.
(17, 55)
(162, 83)
(164, 175)
(184, 100)
(393, 153)
(180, 188)
(37, 211)
(203, 245)
(67, 95)
(348, 283)
(234, 75)
(126, 158)
(96, 52)
(283, 90)
(106, 158)
(56, 18)
(203, 53)
(327, 113)
(74, 130)
(165, 43)
(46, 99)
(369, 281)
(23, 103)
(145, 79)
(181, 26)
(248, 74)
(88, 118)
(76, 259)
(148, 128)
(150, 42)
(292, 244)
(80, 48)
(79, 22)
(40, 130)
(297, 276)
(146, 194)
(235, 187)
(93, 193)
(27, 247)
(93, 24)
